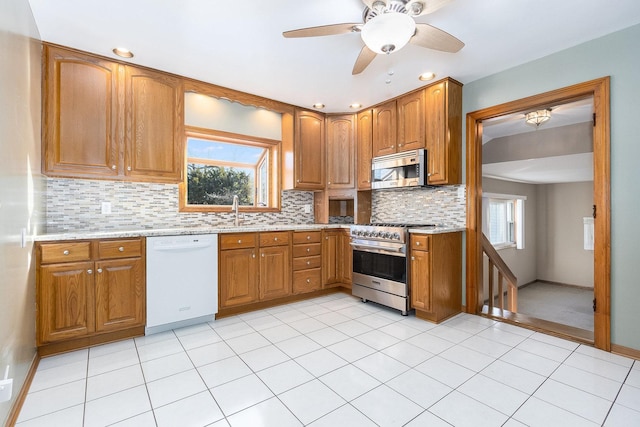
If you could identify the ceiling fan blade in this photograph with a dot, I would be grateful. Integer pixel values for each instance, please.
(434, 38)
(323, 30)
(364, 59)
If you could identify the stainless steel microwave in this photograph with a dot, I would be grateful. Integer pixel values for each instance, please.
(405, 169)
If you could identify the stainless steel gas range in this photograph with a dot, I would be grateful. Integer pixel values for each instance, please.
(380, 263)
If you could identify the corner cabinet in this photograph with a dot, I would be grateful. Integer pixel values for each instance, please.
(86, 290)
(364, 139)
(104, 119)
(435, 265)
(341, 151)
(443, 125)
(309, 151)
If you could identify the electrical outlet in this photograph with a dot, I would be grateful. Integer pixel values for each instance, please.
(307, 208)
(105, 208)
(6, 388)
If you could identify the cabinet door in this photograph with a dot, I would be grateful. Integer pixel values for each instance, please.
(411, 132)
(421, 280)
(330, 254)
(65, 298)
(153, 126)
(275, 272)
(346, 258)
(238, 277)
(80, 115)
(309, 151)
(364, 140)
(340, 152)
(120, 294)
(384, 129)
(443, 125)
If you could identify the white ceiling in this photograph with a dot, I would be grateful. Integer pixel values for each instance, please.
(239, 44)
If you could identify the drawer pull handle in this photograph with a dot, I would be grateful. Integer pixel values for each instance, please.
(89, 271)
(99, 270)
(121, 248)
(66, 252)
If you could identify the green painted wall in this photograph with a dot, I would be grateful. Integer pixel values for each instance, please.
(615, 55)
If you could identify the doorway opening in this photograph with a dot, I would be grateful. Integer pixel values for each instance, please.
(481, 202)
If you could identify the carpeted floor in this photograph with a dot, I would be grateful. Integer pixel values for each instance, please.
(568, 305)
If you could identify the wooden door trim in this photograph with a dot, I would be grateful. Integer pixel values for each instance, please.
(599, 89)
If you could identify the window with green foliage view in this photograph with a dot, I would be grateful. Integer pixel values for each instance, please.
(220, 167)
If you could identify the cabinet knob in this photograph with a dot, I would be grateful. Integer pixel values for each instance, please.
(239, 241)
(329, 183)
(262, 255)
(66, 252)
(89, 271)
(399, 145)
(253, 255)
(129, 168)
(308, 249)
(368, 181)
(99, 270)
(275, 239)
(417, 243)
(308, 237)
(308, 280)
(297, 180)
(121, 248)
(413, 258)
(393, 146)
(113, 167)
(326, 238)
(308, 262)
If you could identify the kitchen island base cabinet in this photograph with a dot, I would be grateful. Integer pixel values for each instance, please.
(435, 265)
(88, 292)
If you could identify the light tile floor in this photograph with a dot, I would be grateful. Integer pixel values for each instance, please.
(334, 361)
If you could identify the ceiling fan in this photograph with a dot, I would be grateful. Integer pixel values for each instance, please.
(388, 25)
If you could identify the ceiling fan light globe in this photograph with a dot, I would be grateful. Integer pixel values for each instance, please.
(388, 32)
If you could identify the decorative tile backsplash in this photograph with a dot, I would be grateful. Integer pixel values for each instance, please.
(432, 205)
(75, 205)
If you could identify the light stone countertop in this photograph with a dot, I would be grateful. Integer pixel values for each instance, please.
(178, 231)
(182, 231)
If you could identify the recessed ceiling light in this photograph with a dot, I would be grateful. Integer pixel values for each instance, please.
(318, 105)
(355, 105)
(123, 52)
(426, 76)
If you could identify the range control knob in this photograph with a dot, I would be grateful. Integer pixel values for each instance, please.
(396, 236)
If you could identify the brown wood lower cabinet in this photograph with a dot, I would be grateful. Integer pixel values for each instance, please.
(307, 261)
(89, 288)
(435, 264)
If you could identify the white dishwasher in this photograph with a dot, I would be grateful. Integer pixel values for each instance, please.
(182, 281)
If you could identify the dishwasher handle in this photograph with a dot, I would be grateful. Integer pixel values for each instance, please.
(172, 246)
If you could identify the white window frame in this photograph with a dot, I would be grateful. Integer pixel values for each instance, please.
(518, 219)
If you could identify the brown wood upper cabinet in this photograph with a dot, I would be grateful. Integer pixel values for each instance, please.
(341, 151)
(384, 129)
(103, 119)
(398, 125)
(443, 121)
(309, 151)
(364, 139)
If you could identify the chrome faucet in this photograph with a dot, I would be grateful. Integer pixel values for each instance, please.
(234, 208)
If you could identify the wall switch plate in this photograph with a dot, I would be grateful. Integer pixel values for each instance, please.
(6, 388)
(105, 208)
(307, 208)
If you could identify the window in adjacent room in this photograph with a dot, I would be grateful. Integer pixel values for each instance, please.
(503, 220)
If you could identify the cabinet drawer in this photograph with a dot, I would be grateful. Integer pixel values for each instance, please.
(237, 240)
(307, 250)
(420, 242)
(306, 237)
(65, 252)
(307, 262)
(119, 249)
(307, 280)
(277, 238)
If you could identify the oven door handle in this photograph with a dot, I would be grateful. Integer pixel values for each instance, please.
(399, 251)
